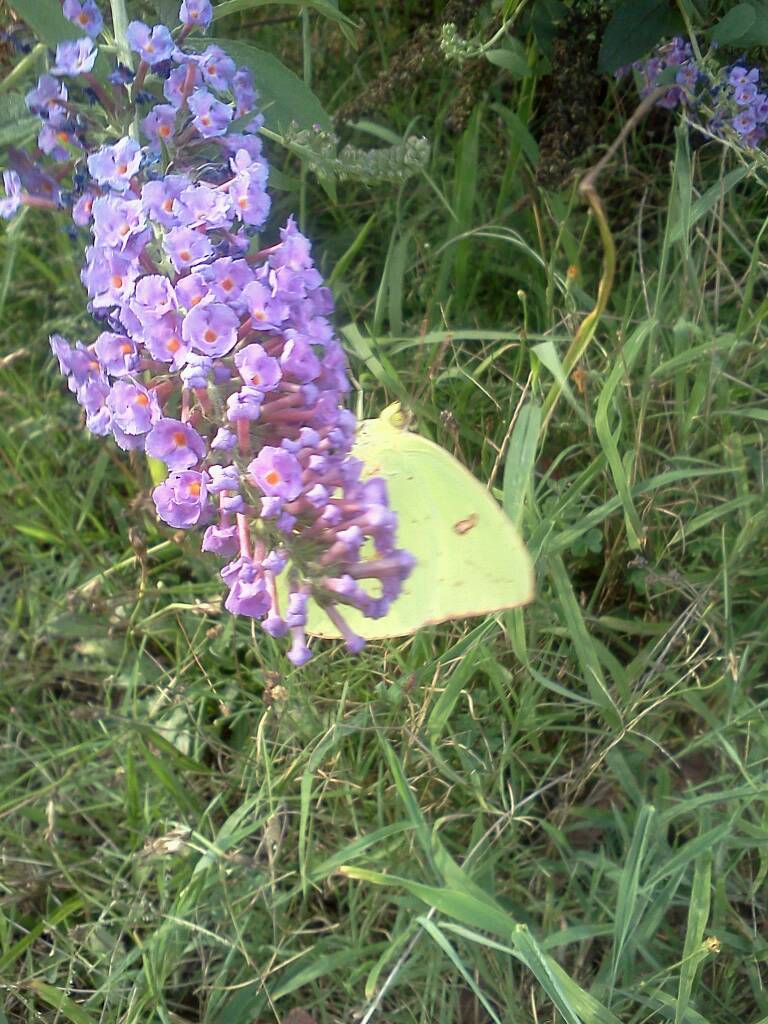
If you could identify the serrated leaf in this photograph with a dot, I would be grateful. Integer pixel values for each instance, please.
(284, 97)
(636, 26)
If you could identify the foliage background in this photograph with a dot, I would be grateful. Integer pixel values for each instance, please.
(555, 815)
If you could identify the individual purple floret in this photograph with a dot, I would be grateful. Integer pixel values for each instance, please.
(153, 45)
(115, 165)
(176, 443)
(213, 354)
(196, 12)
(85, 15)
(74, 57)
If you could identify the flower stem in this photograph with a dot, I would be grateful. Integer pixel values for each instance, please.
(120, 28)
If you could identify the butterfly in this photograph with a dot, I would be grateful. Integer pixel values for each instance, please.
(470, 558)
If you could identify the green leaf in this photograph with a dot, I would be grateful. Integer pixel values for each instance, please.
(521, 458)
(15, 120)
(470, 559)
(45, 19)
(284, 97)
(54, 997)
(636, 26)
(512, 60)
(735, 24)
(325, 7)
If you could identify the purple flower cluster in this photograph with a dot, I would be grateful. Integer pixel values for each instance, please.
(722, 100)
(216, 357)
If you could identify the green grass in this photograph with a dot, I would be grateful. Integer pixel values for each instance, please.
(556, 815)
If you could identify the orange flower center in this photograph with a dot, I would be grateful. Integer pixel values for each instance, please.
(179, 439)
(126, 347)
(205, 119)
(194, 488)
(122, 168)
(227, 284)
(186, 255)
(164, 131)
(210, 336)
(167, 205)
(273, 478)
(116, 281)
(141, 400)
(173, 345)
(260, 315)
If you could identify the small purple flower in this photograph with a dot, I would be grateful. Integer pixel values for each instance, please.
(176, 443)
(211, 116)
(134, 408)
(116, 165)
(244, 404)
(221, 540)
(117, 353)
(160, 123)
(196, 12)
(82, 211)
(186, 247)
(276, 473)
(203, 205)
(158, 198)
(741, 76)
(257, 368)
(75, 57)
(744, 122)
(744, 93)
(182, 500)
(153, 45)
(163, 339)
(174, 84)
(13, 194)
(247, 588)
(218, 69)
(227, 278)
(268, 312)
(298, 361)
(48, 99)
(211, 328)
(224, 440)
(116, 222)
(196, 373)
(85, 15)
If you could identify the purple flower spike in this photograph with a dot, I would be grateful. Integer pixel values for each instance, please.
(176, 443)
(196, 12)
(182, 500)
(85, 15)
(74, 57)
(153, 45)
(277, 473)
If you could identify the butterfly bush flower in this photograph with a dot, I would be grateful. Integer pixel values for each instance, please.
(723, 101)
(213, 354)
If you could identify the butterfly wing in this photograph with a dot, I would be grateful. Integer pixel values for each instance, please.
(470, 559)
